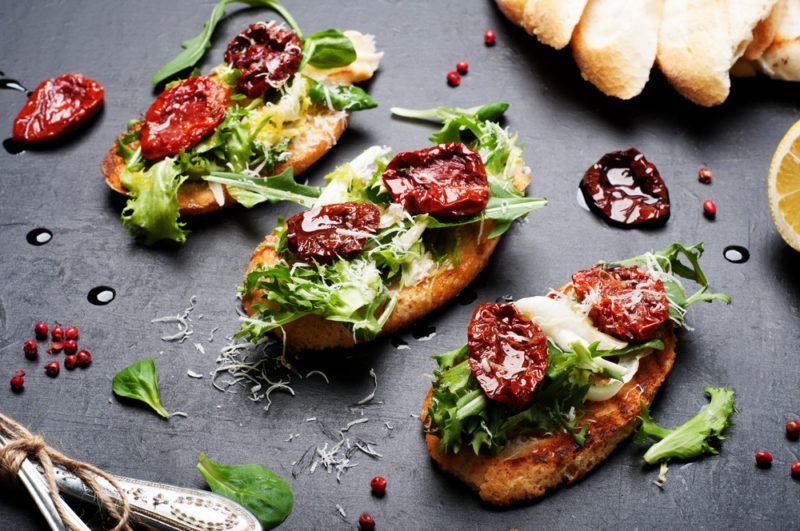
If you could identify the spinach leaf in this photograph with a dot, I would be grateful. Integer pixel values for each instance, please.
(195, 48)
(340, 97)
(280, 187)
(139, 382)
(152, 212)
(259, 490)
(328, 49)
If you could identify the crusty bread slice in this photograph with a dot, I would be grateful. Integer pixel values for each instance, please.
(744, 16)
(321, 132)
(694, 51)
(615, 44)
(529, 467)
(316, 333)
(764, 32)
(781, 60)
(551, 21)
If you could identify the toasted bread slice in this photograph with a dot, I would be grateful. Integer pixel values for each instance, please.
(314, 332)
(321, 132)
(615, 44)
(529, 467)
(744, 17)
(551, 21)
(781, 60)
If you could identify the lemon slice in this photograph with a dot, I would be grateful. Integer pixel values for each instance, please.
(783, 187)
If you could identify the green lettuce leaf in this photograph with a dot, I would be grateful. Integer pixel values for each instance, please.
(340, 97)
(328, 49)
(281, 187)
(151, 212)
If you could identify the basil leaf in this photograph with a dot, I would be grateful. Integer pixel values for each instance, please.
(328, 49)
(259, 490)
(280, 187)
(139, 382)
(340, 97)
(195, 48)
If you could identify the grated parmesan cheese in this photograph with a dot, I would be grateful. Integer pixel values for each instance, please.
(182, 320)
(370, 396)
(191, 374)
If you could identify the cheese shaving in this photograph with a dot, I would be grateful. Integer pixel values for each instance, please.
(191, 374)
(182, 320)
(370, 396)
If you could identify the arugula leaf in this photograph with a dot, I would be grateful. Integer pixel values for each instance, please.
(281, 187)
(258, 489)
(140, 382)
(196, 47)
(693, 438)
(328, 49)
(340, 97)
(504, 210)
(151, 212)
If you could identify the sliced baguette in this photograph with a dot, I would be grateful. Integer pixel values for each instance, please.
(551, 21)
(781, 60)
(316, 333)
(529, 467)
(764, 32)
(615, 44)
(321, 132)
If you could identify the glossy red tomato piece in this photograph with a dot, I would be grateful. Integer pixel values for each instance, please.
(56, 107)
(182, 115)
(448, 180)
(326, 232)
(267, 54)
(507, 353)
(625, 302)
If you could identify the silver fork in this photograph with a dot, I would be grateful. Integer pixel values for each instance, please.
(37, 487)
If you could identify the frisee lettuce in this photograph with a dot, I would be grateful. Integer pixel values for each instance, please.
(462, 416)
(693, 438)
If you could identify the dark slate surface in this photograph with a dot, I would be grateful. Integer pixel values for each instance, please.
(565, 125)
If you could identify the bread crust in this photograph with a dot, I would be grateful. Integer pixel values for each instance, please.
(529, 468)
(196, 198)
(551, 21)
(314, 332)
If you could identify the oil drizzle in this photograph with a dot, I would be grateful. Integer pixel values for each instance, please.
(736, 254)
(13, 147)
(39, 236)
(101, 295)
(400, 344)
(423, 332)
(504, 299)
(12, 84)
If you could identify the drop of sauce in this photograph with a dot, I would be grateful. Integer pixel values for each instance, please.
(736, 254)
(399, 343)
(626, 190)
(12, 84)
(467, 297)
(39, 236)
(423, 332)
(582, 201)
(101, 295)
(13, 147)
(504, 299)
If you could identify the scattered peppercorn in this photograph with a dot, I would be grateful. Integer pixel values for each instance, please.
(378, 485)
(462, 67)
(71, 332)
(795, 470)
(55, 347)
(489, 37)
(52, 369)
(70, 346)
(704, 175)
(367, 522)
(18, 382)
(57, 333)
(710, 209)
(763, 459)
(793, 430)
(31, 349)
(84, 358)
(70, 362)
(453, 78)
(41, 330)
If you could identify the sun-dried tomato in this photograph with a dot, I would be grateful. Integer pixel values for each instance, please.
(182, 115)
(448, 180)
(326, 232)
(507, 353)
(267, 55)
(626, 189)
(625, 302)
(56, 107)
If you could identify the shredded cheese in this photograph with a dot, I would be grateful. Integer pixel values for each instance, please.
(182, 320)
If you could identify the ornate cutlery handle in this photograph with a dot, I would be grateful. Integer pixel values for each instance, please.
(168, 507)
